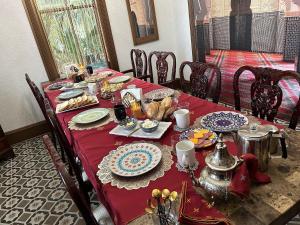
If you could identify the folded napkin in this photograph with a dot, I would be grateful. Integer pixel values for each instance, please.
(194, 210)
(246, 173)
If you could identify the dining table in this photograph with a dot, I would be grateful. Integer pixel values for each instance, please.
(273, 203)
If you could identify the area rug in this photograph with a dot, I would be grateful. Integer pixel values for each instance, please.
(230, 61)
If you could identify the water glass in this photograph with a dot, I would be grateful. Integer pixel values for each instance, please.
(120, 112)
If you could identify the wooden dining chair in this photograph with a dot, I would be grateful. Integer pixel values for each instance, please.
(198, 84)
(40, 100)
(266, 94)
(98, 216)
(74, 162)
(139, 65)
(162, 68)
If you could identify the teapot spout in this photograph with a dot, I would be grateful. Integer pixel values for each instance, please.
(195, 181)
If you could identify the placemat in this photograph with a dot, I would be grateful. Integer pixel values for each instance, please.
(106, 176)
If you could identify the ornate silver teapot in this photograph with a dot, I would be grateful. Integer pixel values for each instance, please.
(215, 178)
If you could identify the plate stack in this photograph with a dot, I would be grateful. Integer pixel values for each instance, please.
(90, 116)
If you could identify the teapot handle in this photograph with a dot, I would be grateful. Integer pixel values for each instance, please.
(283, 147)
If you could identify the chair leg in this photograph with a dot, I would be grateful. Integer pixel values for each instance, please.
(70, 169)
(53, 137)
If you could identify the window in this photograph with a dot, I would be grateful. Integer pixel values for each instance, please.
(71, 31)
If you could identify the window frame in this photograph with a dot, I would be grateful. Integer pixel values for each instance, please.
(44, 47)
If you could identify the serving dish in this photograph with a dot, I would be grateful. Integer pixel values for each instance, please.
(224, 121)
(139, 133)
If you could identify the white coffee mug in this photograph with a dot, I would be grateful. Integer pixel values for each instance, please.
(182, 117)
(185, 151)
(92, 88)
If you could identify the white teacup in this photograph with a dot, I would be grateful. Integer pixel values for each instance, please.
(182, 117)
(185, 151)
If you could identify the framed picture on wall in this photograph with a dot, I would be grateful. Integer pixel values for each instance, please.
(142, 21)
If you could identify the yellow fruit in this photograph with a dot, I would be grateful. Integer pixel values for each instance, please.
(165, 193)
(156, 193)
(194, 140)
(173, 196)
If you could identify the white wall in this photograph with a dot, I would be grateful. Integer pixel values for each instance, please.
(173, 28)
(19, 53)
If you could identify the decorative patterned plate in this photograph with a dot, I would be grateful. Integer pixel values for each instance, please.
(71, 94)
(55, 86)
(224, 121)
(160, 94)
(202, 138)
(119, 79)
(134, 159)
(90, 116)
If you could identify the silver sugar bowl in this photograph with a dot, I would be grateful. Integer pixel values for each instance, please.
(216, 176)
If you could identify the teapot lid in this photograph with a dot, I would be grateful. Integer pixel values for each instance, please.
(254, 131)
(220, 159)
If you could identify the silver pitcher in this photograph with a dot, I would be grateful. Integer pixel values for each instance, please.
(216, 177)
(260, 140)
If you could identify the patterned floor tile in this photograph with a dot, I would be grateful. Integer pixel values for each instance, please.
(31, 192)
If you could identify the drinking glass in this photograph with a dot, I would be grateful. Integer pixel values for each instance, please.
(120, 112)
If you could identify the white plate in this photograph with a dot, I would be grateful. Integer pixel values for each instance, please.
(90, 116)
(81, 107)
(119, 79)
(134, 159)
(162, 128)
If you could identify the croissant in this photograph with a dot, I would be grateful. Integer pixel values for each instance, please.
(152, 109)
(160, 113)
(167, 102)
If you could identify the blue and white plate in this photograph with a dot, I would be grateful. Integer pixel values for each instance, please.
(224, 121)
(71, 94)
(134, 159)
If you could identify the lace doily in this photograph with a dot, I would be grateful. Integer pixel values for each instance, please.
(182, 169)
(106, 176)
(228, 136)
(109, 118)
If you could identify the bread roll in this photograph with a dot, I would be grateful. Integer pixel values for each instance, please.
(160, 113)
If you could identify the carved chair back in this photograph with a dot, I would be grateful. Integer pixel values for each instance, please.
(68, 148)
(40, 100)
(75, 193)
(162, 66)
(199, 83)
(37, 94)
(266, 94)
(139, 62)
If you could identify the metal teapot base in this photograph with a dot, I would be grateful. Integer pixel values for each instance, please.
(216, 183)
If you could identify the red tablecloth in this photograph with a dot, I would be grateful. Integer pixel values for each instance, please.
(93, 145)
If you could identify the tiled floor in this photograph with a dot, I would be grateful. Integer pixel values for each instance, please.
(32, 193)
